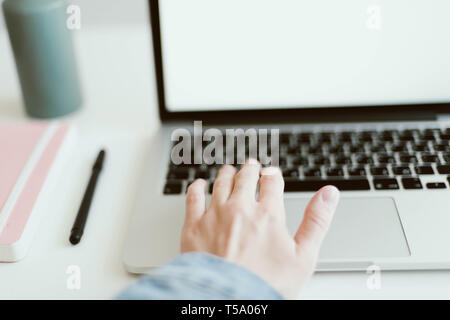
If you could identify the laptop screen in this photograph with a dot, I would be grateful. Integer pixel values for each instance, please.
(256, 54)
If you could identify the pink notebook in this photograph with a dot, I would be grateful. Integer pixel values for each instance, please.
(30, 154)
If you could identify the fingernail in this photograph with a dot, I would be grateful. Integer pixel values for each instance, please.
(330, 196)
(269, 171)
(227, 167)
(252, 162)
(203, 182)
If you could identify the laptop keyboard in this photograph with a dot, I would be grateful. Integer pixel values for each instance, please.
(350, 160)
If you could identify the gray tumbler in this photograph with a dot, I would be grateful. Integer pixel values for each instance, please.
(44, 55)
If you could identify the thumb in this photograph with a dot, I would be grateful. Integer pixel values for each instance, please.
(317, 219)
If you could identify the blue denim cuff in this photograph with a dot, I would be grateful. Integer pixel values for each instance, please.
(201, 276)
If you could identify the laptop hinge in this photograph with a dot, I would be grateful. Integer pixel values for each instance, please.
(391, 116)
(367, 116)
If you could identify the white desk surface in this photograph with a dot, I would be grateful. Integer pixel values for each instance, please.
(120, 114)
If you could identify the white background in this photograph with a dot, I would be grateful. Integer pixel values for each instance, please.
(266, 53)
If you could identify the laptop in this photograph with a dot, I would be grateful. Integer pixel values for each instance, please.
(355, 93)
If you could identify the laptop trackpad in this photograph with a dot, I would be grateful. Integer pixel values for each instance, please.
(362, 228)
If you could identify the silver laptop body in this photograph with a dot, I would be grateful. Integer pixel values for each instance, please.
(359, 95)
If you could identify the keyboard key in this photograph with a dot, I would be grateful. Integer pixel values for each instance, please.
(424, 170)
(385, 184)
(379, 171)
(442, 147)
(172, 187)
(365, 136)
(400, 147)
(285, 138)
(411, 183)
(315, 149)
(432, 130)
(178, 173)
(321, 160)
(387, 136)
(282, 162)
(378, 148)
(385, 159)
(345, 136)
(411, 131)
(291, 173)
(300, 161)
(334, 172)
(325, 137)
(445, 137)
(446, 157)
(293, 150)
(436, 185)
(304, 137)
(336, 149)
(408, 159)
(403, 171)
(406, 136)
(357, 171)
(364, 159)
(202, 174)
(430, 158)
(428, 135)
(357, 148)
(183, 165)
(312, 172)
(443, 169)
(314, 185)
(420, 147)
(342, 159)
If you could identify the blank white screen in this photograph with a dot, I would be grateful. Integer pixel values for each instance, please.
(240, 54)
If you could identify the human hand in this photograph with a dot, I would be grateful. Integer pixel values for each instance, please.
(252, 232)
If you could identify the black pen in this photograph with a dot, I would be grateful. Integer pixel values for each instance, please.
(83, 212)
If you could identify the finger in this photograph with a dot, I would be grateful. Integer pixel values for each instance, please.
(223, 185)
(246, 180)
(317, 219)
(196, 201)
(271, 186)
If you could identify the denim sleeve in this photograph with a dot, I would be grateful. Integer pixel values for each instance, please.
(200, 276)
